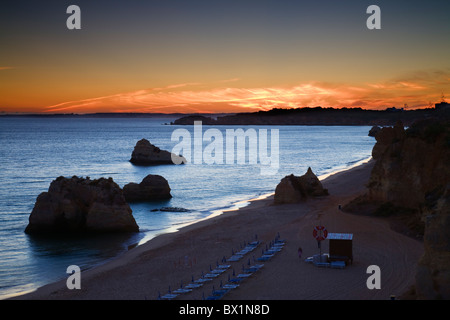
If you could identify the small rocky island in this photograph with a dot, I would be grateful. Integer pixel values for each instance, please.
(147, 154)
(81, 205)
(293, 189)
(152, 187)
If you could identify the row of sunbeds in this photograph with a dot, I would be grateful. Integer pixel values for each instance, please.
(234, 280)
(247, 271)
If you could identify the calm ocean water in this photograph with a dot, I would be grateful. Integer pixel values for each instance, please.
(35, 151)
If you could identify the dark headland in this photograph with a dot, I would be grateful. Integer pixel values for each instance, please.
(279, 116)
(319, 116)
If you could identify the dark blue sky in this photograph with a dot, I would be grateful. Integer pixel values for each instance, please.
(131, 45)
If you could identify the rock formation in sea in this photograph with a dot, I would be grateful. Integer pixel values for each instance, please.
(81, 205)
(152, 187)
(293, 189)
(411, 179)
(146, 154)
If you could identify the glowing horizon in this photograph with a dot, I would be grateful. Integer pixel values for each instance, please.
(417, 91)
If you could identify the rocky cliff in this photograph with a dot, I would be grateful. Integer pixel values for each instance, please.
(81, 205)
(412, 175)
(433, 272)
(409, 163)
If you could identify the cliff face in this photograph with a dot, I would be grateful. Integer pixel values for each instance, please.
(412, 172)
(410, 164)
(433, 272)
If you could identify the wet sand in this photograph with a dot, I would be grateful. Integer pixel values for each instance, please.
(147, 271)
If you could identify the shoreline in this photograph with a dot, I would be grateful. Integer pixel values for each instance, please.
(241, 204)
(169, 259)
(235, 205)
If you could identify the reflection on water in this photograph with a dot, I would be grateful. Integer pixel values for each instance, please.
(51, 255)
(91, 246)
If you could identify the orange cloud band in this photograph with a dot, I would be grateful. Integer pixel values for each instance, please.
(417, 92)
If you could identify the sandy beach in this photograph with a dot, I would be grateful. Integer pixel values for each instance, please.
(147, 271)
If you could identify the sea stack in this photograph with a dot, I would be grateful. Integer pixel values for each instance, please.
(292, 189)
(146, 154)
(81, 205)
(152, 187)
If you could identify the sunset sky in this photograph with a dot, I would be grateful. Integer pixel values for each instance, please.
(221, 56)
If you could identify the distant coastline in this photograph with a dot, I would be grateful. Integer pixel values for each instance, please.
(320, 116)
(276, 116)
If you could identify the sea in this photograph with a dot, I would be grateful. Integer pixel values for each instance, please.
(36, 150)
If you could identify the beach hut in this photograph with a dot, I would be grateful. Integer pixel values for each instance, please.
(341, 247)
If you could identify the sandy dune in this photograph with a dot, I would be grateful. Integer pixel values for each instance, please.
(169, 260)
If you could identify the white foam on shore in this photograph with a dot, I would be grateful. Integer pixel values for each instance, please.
(356, 164)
